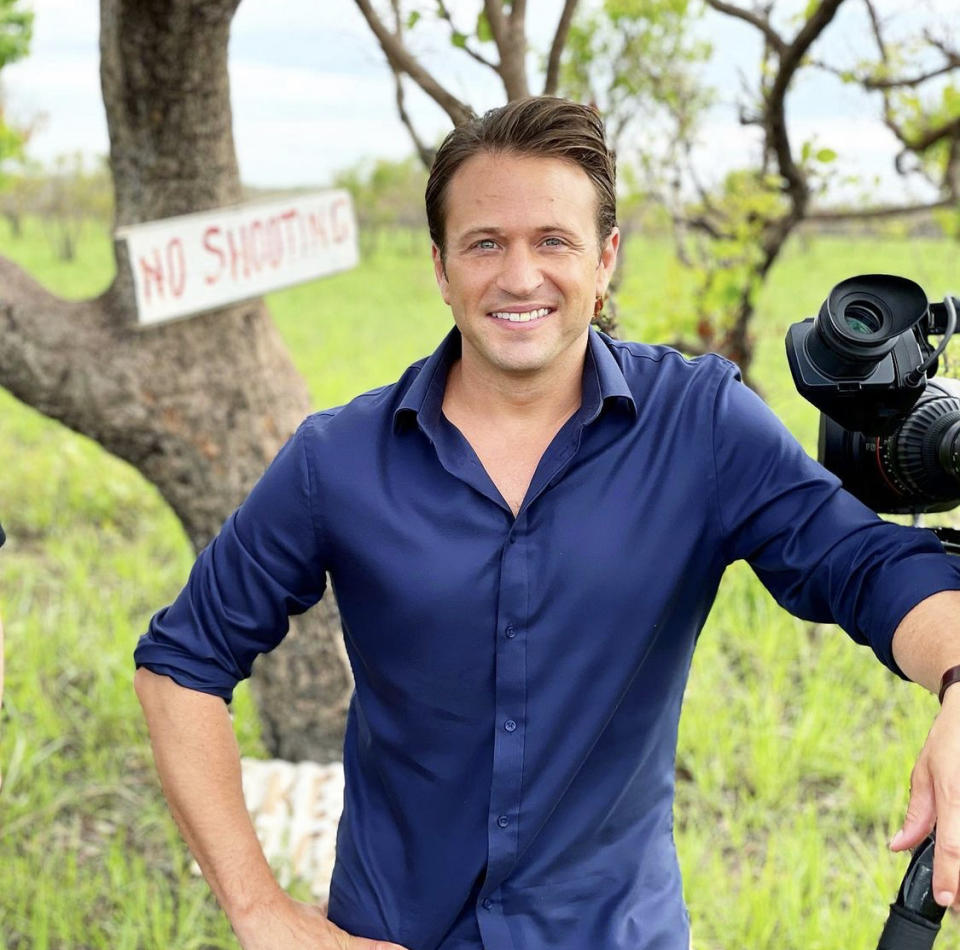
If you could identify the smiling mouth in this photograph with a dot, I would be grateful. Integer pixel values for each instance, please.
(513, 316)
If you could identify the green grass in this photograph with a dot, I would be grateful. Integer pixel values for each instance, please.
(795, 745)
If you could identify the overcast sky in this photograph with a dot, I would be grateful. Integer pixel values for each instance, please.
(312, 94)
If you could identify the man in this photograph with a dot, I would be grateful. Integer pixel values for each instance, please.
(525, 534)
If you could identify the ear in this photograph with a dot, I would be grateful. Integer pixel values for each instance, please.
(608, 261)
(440, 272)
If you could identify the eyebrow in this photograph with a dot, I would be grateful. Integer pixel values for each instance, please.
(497, 232)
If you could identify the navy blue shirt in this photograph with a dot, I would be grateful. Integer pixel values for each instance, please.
(509, 753)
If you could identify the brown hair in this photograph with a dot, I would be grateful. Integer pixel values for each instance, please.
(541, 126)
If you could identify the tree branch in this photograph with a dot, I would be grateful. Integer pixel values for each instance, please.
(552, 79)
(754, 19)
(424, 152)
(445, 14)
(875, 84)
(872, 214)
(401, 60)
(936, 133)
(775, 123)
(510, 37)
(497, 21)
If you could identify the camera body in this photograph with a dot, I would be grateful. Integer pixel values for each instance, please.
(888, 429)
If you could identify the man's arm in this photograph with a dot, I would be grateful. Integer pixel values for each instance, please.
(199, 765)
(925, 645)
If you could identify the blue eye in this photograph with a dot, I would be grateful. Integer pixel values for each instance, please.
(486, 244)
(554, 242)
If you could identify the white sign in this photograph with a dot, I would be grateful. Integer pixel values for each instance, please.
(200, 261)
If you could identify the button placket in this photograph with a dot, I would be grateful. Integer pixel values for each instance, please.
(509, 705)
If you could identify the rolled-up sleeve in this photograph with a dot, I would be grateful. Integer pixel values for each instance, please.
(266, 564)
(823, 554)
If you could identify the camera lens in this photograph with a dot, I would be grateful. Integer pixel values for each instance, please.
(862, 317)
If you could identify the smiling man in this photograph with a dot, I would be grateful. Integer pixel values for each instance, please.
(525, 534)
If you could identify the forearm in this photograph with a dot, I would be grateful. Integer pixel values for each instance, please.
(927, 641)
(199, 766)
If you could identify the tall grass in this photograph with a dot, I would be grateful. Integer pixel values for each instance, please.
(795, 745)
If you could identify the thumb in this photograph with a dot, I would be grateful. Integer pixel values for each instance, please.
(921, 812)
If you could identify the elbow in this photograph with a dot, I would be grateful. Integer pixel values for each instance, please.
(144, 684)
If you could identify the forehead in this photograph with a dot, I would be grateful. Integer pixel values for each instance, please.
(508, 189)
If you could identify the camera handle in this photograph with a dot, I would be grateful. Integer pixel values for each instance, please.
(914, 920)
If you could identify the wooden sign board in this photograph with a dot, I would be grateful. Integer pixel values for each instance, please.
(197, 262)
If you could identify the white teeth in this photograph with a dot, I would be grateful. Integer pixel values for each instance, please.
(520, 317)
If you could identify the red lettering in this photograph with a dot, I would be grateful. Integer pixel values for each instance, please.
(291, 235)
(213, 232)
(318, 230)
(256, 245)
(304, 233)
(152, 274)
(176, 266)
(239, 253)
(340, 216)
(275, 242)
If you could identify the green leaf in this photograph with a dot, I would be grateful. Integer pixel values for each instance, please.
(412, 19)
(459, 39)
(805, 151)
(826, 155)
(484, 33)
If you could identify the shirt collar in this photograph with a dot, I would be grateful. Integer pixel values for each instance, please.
(603, 382)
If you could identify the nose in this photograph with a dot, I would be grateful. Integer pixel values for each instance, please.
(520, 273)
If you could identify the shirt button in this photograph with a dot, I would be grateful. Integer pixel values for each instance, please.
(510, 725)
(487, 903)
(503, 821)
(510, 632)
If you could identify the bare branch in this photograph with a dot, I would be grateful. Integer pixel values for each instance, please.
(424, 152)
(401, 60)
(876, 29)
(951, 55)
(775, 126)
(510, 37)
(445, 14)
(887, 211)
(556, 48)
(876, 84)
(754, 19)
(497, 21)
(518, 15)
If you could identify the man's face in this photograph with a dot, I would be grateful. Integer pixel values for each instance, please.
(523, 266)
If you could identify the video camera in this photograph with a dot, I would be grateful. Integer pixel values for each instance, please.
(891, 432)
(888, 429)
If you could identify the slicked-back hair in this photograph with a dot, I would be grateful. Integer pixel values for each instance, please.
(538, 126)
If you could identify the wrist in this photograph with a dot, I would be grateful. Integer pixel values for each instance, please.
(949, 679)
(268, 902)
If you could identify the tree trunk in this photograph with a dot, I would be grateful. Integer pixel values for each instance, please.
(199, 406)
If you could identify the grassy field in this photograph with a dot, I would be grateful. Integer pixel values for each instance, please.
(795, 747)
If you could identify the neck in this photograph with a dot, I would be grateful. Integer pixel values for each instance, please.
(540, 396)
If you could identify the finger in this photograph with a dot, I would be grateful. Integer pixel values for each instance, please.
(946, 850)
(921, 812)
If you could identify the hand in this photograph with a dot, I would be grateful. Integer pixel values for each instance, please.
(286, 924)
(935, 800)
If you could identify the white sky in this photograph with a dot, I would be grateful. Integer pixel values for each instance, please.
(312, 94)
